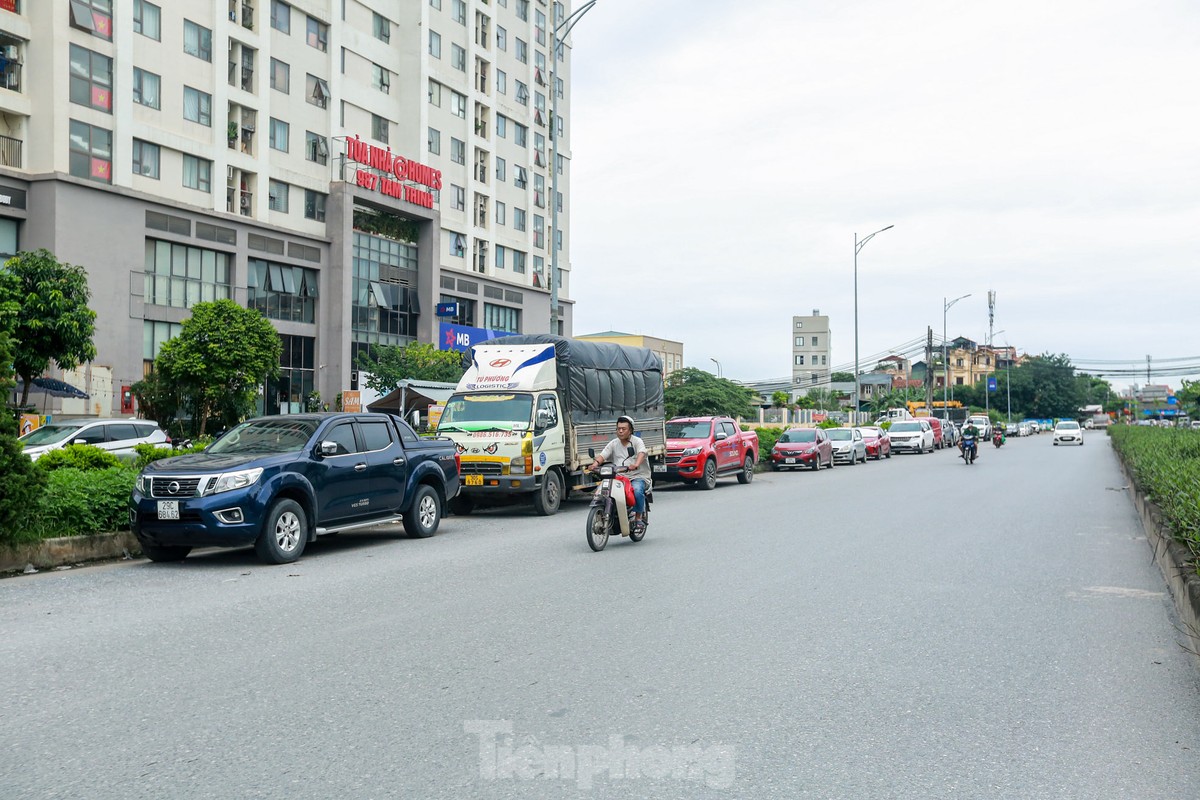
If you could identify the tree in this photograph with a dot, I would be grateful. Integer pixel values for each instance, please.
(420, 361)
(54, 322)
(1189, 397)
(220, 358)
(693, 392)
(23, 481)
(842, 377)
(822, 399)
(159, 399)
(781, 399)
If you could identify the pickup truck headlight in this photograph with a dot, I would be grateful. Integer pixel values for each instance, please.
(692, 451)
(229, 481)
(143, 484)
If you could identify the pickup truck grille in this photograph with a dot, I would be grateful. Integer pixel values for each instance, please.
(175, 487)
(480, 468)
(672, 460)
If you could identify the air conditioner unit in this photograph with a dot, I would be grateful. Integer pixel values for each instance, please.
(245, 201)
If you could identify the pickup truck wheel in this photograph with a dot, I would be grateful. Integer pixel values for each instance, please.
(160, 553)
(462, 505)
(422, 519)
(709, 481)
(284, 533)
(548, 498)
(747, 473)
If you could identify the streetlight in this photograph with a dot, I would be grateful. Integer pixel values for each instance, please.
(858, 245)
(718, 363)
(556, 43)
(946, 304)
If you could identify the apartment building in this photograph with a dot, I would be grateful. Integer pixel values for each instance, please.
(342, 165)
(670, 351)
(812, 348)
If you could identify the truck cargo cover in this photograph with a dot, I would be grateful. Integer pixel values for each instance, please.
(601, 380)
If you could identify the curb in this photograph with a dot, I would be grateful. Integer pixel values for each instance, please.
(68, 550)
(1174, 561)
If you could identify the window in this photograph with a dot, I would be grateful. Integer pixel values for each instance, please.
(277, 196)
(381, 79)
(316, 91)
(501, 126)
(522, 93)
(466, 310)
(501, 318)
(501, 82)
(814, 341)
(522, 51)
(521, 178)
(147, 19)
(435, 141)
(459, 11)
(279, 135)
(180, 276)
(521, 137)
(458, 58)
(458, 104)
(799, 361)
(197, 106)
(281, 76)
(501, 38)
(519, 219)
(197, 40)
(458, 151)
(93, 16)
(518, 261)
(799, 341)
(91, 79)
(145, 159)
(501, 170)
(314, 205)
(539, 26)
(197, 173)
(458, 198)
(145, 88)
(436, 4)
(500, 257)
(281, 291)
(379, 129)
(523, 10)
(435, 94)
(500, 209)
(381, 26)
(316, 148)
(435, 44)
(281, 16)
(318, 34)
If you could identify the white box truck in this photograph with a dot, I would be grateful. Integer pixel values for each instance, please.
(529, 407)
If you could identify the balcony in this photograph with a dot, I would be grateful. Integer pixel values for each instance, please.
(239, 201)
(10, 152)
(10, 74)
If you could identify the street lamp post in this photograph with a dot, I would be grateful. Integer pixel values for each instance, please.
(559, 30)
(858, 245)
(718, 363)
(946, 304)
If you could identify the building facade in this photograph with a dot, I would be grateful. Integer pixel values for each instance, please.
(669, 351)
(812, 348)
(341, 165)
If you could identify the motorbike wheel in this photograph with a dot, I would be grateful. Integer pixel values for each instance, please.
(637, 537)
(598, 528)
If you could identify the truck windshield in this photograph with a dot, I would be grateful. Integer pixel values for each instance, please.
(688, 430)
(266, 436)
(481, 412)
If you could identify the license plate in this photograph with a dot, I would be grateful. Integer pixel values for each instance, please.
(789, 461)
(168, 509)
(474, 480)
(660, 468)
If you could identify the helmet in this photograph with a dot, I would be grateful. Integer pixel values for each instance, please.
(626, 419)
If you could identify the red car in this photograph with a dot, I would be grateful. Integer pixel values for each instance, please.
(879, 444)
(802, 447)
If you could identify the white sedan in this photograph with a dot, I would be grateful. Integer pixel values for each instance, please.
(1068, 432)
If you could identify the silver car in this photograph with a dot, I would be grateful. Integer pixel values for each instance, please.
(848, 445)
(117, 436)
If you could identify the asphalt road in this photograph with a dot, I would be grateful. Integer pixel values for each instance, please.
(909, 629)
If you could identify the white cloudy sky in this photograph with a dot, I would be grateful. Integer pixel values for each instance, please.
(725, 155)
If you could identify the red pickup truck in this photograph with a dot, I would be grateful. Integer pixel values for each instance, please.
(701, 449)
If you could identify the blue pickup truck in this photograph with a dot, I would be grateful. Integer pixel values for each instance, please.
(279, 482)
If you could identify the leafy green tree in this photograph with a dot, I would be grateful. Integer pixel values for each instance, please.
(220, 358)
(420, 361)
(22, 483)
(822, 399)
(842, 377)
(694, 392)
(54, 322)
(158, 399)
(1189, 397)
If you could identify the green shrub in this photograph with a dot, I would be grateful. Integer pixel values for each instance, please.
(767, 437)
(829, 423)
(149, 453)
(1165, 463)
(21, 484)
(887, 423)
(78, 502)
(77, 456)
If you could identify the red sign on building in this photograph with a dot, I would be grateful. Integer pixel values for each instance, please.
(393, 175)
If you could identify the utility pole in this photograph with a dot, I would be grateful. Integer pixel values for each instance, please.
(929, 370)
(987, 396)
(1147, 368)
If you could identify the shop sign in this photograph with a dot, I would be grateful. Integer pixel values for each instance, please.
(393, 175)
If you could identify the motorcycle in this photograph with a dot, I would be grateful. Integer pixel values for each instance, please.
(611, 511)
(969, 450)
(998, 438)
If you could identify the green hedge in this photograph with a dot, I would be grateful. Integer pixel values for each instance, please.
(148, 453)
(77, 456)
(1165, 463)
(767, 437)
(78, 502)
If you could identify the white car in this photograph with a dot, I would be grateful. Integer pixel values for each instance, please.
(117, 436)
(848, 445)
(1068, 432)
(912, 435)
(984, 424)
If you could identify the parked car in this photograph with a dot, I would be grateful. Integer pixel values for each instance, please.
(936, 425)
(1012, 429)
(913, 435)
(279, 482)
(848, 445)
(701, 449)
(802, 447)
(983, 423)
(950, 434)
(877, 441)
(117, 436)
(1068, 432)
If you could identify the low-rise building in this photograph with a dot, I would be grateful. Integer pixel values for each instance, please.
(671, 352)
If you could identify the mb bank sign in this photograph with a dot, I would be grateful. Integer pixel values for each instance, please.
(461, 337)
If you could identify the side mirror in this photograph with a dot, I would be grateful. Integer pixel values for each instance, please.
(79, 441)
(327, 448)
(721, 435)
(545, 418)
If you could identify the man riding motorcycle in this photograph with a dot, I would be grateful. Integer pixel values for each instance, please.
(970, 431)
(628, 452)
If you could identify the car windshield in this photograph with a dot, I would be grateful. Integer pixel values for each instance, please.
(484, 412)
(1068, 426)
(689, 430)
(796, 437)
(48, 434)
(266, 436)
(840, 434)
(905, 427)
(869, 433)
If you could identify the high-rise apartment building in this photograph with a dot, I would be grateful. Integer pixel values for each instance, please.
(811, 351)
(341, 165)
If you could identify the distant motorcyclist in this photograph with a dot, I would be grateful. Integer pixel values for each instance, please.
(970, 431)
(628, 452)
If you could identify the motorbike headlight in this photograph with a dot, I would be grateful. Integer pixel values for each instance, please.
(692, 451)
(229, 481)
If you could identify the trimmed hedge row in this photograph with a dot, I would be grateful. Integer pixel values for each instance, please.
(1165, 463)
